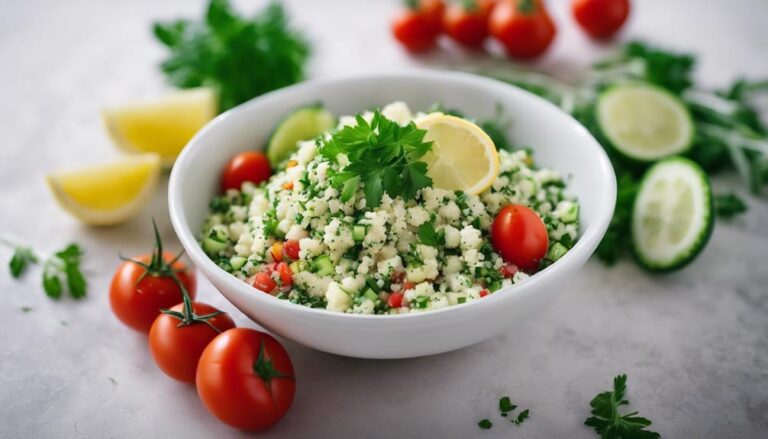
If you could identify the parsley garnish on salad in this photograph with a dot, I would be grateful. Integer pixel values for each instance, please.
(383, 157)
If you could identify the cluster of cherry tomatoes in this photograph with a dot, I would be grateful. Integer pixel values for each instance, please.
(523, 27)
(243, 377)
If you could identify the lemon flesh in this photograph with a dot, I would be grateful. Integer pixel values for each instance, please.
(462, 157)
(163, 125)
(107, 194)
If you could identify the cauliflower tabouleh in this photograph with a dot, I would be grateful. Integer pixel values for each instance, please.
(320, 232)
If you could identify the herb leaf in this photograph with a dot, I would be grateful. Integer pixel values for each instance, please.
(505, 405)
(240, 57)
(22, 256)
(428, 236)
(382, 155)
(521, 417)
(51, 284)
(729, 205)
(607, 421)
(485, 424)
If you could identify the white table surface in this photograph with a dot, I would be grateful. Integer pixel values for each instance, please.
(694, 343)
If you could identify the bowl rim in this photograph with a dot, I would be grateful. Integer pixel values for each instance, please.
(591, 237)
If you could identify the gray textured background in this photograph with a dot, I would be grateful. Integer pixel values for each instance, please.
(694, 343)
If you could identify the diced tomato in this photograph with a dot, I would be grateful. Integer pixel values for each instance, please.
(395, 300)
(508, 270)
(291, 249)
(286, 275)
(483, 293)
(277, 252)
(288, 186)
(408, 286)
(264, 282)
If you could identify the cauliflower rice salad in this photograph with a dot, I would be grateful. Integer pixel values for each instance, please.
(319, 235)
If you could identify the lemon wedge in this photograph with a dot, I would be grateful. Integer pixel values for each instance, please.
(163, 125)
(107, 194)
(462, 157)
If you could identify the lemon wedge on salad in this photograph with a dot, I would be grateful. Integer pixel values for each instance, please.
(462, 157)
(162, 125)
(107, 194)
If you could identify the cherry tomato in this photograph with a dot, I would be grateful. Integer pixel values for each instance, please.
(467, 22)
(600, 18)
(137, 293)
(520, 237)
(250, 166)
(433, 10)
(395, 300)
(264, 282)
(286, 275)
(291, 248)
(177, 349)
(483, 292)
(245, 378)
(523, 27)
(414, 32)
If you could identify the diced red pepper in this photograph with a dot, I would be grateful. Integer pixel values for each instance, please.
(291, 249)
(395, 300)
(484, 293)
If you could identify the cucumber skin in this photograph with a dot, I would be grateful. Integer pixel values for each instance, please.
(630, 162)
(703, 237)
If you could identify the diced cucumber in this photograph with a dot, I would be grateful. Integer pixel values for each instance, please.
(212, 246)
(237, 262)
(672, 218)
(323, 266)
(643, 122)
(303, 124)
(371, 295)
(556, 251)
(571, 215)
(296, 266)
(358, 233)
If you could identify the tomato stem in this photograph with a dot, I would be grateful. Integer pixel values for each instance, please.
(265, 369)
(188, 316)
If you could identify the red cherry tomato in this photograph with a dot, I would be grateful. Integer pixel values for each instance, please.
(245, 378)
(286, 275)
(137, 294)
(519, 236)
(177, 349)
(600, 18)
(264, 282)
(395, 300)
(414, 31)
(523, 27)
(250, 166)
(467, 22)
(291, 248)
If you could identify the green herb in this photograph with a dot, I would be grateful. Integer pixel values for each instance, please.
(241, 57)
(485, 424)
(26, 308)
(521, 417)
(428, 235)
(729, 205)
(112, 380)
(609, 423)
(506, 406)
(383, 157)
(62, 268)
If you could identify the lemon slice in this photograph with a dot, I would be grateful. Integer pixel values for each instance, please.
(107, 194)
(163, 125)
(462, 157)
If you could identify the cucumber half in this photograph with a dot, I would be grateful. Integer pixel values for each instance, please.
(643, 122)
(672, 218)
(303, 124)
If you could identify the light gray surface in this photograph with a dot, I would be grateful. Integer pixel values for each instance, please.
(694, 343)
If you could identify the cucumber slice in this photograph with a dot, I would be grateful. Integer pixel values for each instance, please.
(556, 251)
(303, 124)
(358, 233)
(212, 246)
(643, 122)
(237, 262)
(324, 266)
(370, 295)
(672, 217)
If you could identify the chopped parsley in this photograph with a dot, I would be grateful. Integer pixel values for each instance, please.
(609, 423)
(729, 205)
(485, 424)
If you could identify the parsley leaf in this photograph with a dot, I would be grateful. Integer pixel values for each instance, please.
(521, 417)
(382, 155)
(240, 57)
(428, 235)
(729, 205)
(485, 424)
(607, 421)
(22, 256)
(506, 406)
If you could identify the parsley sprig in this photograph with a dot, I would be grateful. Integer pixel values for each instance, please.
(59, 269)
(383, 157)
(609, 423)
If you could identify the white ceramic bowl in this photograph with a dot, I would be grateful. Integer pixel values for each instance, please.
(558, 141)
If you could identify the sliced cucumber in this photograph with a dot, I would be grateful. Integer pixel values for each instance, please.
(237, 262)
(672, 217)
(303, 124)
(643, 122)
(556, 251)
(371, 295)
(323, 266)
(212, 246)
(358, 233)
